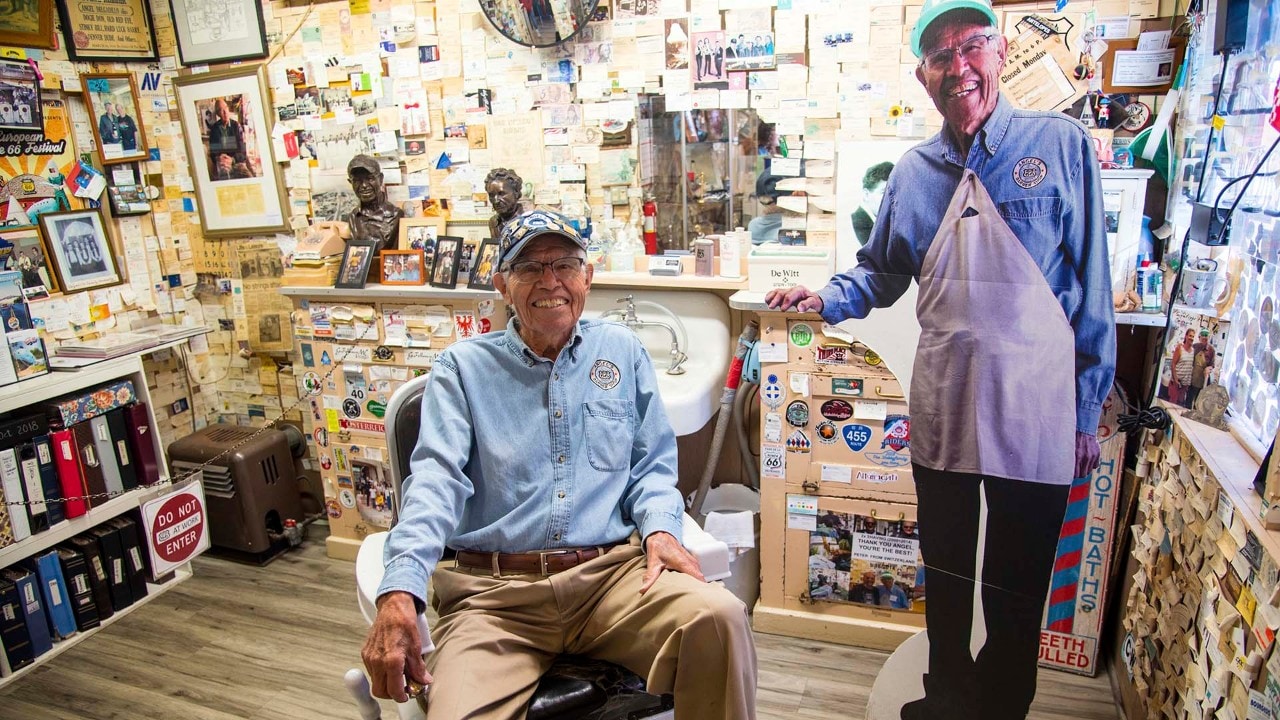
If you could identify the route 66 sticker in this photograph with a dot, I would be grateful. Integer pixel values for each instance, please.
(773, 461)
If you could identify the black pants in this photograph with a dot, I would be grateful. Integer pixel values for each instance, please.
(1023, 523)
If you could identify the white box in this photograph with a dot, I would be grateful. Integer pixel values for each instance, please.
(772, 266)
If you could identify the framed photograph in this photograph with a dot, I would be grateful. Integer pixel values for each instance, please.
(29, 24)
(28, 254)
(108, 30)
(444, 268)
(218, 31)
(420, 233)
(356, 261)
(486, 266)
(403, 267)
(112, 100)
(20, 97)
(80, 250)
(239, 187)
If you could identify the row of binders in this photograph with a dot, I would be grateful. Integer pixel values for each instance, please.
(68, 589)
(56, 465)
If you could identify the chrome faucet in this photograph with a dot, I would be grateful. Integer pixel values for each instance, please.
(628, 318)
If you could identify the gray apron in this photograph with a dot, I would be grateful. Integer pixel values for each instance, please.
(993, 391)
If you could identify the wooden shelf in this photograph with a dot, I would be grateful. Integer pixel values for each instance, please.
(55, 384)
(680, 282)
(69, 528)
(153, 591)
(375, 291)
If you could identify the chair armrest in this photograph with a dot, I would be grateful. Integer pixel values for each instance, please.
(713, 555)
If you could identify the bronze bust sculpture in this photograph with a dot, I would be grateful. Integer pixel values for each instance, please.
(375, 219)
(504, 187)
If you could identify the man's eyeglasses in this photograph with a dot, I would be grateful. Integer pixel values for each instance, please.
(565, 268)
(971, 50)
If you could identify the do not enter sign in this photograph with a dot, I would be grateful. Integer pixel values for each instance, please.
(177, 527)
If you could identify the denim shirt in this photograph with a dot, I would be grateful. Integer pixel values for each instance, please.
(518, 453)
(1059, 221)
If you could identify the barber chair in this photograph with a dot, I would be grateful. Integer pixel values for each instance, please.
(575, 688)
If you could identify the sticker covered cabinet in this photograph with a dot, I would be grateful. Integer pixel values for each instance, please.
(840, 554)
(354, 349)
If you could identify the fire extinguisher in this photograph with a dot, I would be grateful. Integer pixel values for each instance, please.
(650, 226)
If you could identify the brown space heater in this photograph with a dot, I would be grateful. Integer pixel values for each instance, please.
(250, 490)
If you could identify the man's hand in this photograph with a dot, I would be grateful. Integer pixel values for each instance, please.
(801, 298)
(1087, 452)
(393, 650)
(666, 553)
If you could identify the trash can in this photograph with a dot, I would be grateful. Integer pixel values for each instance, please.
(727, 519)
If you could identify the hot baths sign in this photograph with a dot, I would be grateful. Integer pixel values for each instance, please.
(177, 527)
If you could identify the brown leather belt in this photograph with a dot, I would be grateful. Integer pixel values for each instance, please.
(546, 562)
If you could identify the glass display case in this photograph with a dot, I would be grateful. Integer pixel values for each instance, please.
(700, 166)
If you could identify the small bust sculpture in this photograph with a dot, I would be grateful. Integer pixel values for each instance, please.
(1211, 404)
(375, 219)
(504, 187)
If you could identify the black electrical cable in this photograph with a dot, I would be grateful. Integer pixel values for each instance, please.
(1222, 230)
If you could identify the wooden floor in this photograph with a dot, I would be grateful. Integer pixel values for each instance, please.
(243, 642)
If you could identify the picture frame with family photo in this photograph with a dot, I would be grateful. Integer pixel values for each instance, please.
(444, 266)
(357, 258)
(403, 267)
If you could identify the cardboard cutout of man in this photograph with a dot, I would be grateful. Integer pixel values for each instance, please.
(999, 219)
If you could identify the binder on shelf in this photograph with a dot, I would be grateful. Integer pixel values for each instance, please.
(18, 652)
(76, 572)
(118, 425)
(49, 481)
(21, 429)
(6, 527)
(113, 560)
(106, 454)
(37, 508)
(135, 564)
(31, 608)
(66, 461)
(11, 481)
(53, 590)
(138, 428)
(95, 482)
(99, 580)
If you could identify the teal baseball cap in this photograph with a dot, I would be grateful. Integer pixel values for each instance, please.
(934, 9)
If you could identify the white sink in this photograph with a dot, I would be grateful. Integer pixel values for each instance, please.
(692, 398)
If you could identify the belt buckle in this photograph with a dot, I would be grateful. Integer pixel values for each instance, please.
(542, 560)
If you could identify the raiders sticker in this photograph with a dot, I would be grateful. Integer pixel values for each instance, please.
(798, 413)
(772, 392)
(889, 458)
(856, 436)
(850, 387)
(351, 408)
(897, 432)
(827, 432)
(1029, 172)
(605, 375)
(798, 442)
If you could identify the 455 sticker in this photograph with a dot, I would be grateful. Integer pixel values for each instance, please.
(856, 436)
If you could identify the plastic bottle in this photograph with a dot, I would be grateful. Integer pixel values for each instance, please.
(731, 254)
(1152, 286)
(622, 258)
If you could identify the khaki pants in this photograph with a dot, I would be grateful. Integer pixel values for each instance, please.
(497, 636)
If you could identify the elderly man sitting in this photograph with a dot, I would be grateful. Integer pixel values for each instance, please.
(546, 460)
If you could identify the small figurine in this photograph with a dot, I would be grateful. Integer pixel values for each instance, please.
(375, 219)
(504, 187)
(1210, 405)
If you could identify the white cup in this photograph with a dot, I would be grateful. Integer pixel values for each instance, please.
(1201, 288)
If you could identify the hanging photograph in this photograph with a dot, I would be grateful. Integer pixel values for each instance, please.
(709, 71)
(112, 99)
(444, 269)
(108, 30)
(218, 31)
(25, 251)
(29, 24)
(749, 51)
(19, 96)
(486, 265)
(80, 250)
(239, 187)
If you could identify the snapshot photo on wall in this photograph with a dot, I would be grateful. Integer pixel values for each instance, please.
(25, 251)
(865, 560)
(116, 115)
(19, 96)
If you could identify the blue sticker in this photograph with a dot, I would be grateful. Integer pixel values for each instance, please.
(153, 154)
(889, 458)
(324, 358)
(772, 394)
(308, 356)
(188, 205)
(856, 436)
(98, 86)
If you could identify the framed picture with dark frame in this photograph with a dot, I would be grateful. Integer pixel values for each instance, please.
(239, 187)
(20, 107)
(356, 261)
(486, 266)
(403, 267)
(116, 116)
(119, 30)
(80, 250)
(444, 268)
(29, 25)
(218, 31)
(29, 255)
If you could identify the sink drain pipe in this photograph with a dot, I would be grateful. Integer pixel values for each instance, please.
(750, 332)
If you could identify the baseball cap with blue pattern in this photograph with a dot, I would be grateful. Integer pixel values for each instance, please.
(535, 223)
